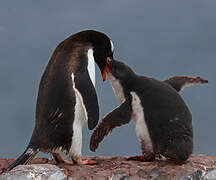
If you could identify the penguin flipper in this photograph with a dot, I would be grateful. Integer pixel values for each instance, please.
(85, 87)
(118, 117)
(26, 156)
(180, 82)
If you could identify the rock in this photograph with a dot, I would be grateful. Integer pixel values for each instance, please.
(201, 167)
(210, 176)
(35, 171)
(142, 174)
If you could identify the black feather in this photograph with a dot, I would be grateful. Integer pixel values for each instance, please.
(28, 155)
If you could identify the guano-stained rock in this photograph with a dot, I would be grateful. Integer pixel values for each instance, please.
(200, 167)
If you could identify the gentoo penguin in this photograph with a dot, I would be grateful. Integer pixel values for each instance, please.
(162, 119)
(67, 97)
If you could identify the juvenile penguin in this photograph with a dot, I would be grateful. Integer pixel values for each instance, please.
(67, 97)
(162, 119)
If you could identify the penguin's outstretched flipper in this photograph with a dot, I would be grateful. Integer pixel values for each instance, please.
(27, 156)
(180, 82)
(85, 88)
(118, 117)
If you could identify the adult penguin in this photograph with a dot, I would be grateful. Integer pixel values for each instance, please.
(67, 97)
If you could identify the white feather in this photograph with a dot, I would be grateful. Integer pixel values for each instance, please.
(117, 88)
(187, 84)
(59, 150)
(29, 151)
(139, 118)
(80, 116)
(91, 65)
(112, 46)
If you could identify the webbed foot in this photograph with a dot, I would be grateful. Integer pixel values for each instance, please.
(59, 159)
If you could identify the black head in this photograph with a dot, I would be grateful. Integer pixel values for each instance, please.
(120, 71)
(102, 46)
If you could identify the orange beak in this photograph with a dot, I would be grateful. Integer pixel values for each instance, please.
(107, 68)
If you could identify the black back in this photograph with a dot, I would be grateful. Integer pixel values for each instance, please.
(55, 106)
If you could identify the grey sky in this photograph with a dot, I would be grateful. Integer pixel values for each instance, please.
(156, 38)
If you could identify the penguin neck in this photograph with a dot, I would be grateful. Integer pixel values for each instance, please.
(117, 87)
(121, 88)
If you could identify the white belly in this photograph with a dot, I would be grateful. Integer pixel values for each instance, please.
(140, 123)
(80, 116)
(117, 88)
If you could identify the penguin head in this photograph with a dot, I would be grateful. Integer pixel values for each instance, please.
(102, 47)
(120, 71)
(103, 52)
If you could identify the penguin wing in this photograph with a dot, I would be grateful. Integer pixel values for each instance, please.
(118, 117)
(89, 98)
(180, 82)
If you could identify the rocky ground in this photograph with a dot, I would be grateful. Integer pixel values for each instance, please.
(114, 168)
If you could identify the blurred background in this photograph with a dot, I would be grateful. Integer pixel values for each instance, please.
(158, 39)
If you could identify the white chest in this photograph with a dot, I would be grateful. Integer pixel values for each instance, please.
(117, 88)
(140, 123)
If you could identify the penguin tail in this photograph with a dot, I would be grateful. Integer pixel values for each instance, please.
(26, 156)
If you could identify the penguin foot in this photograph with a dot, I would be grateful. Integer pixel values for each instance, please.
(87, 162)
(60, 160)
(142, 158)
